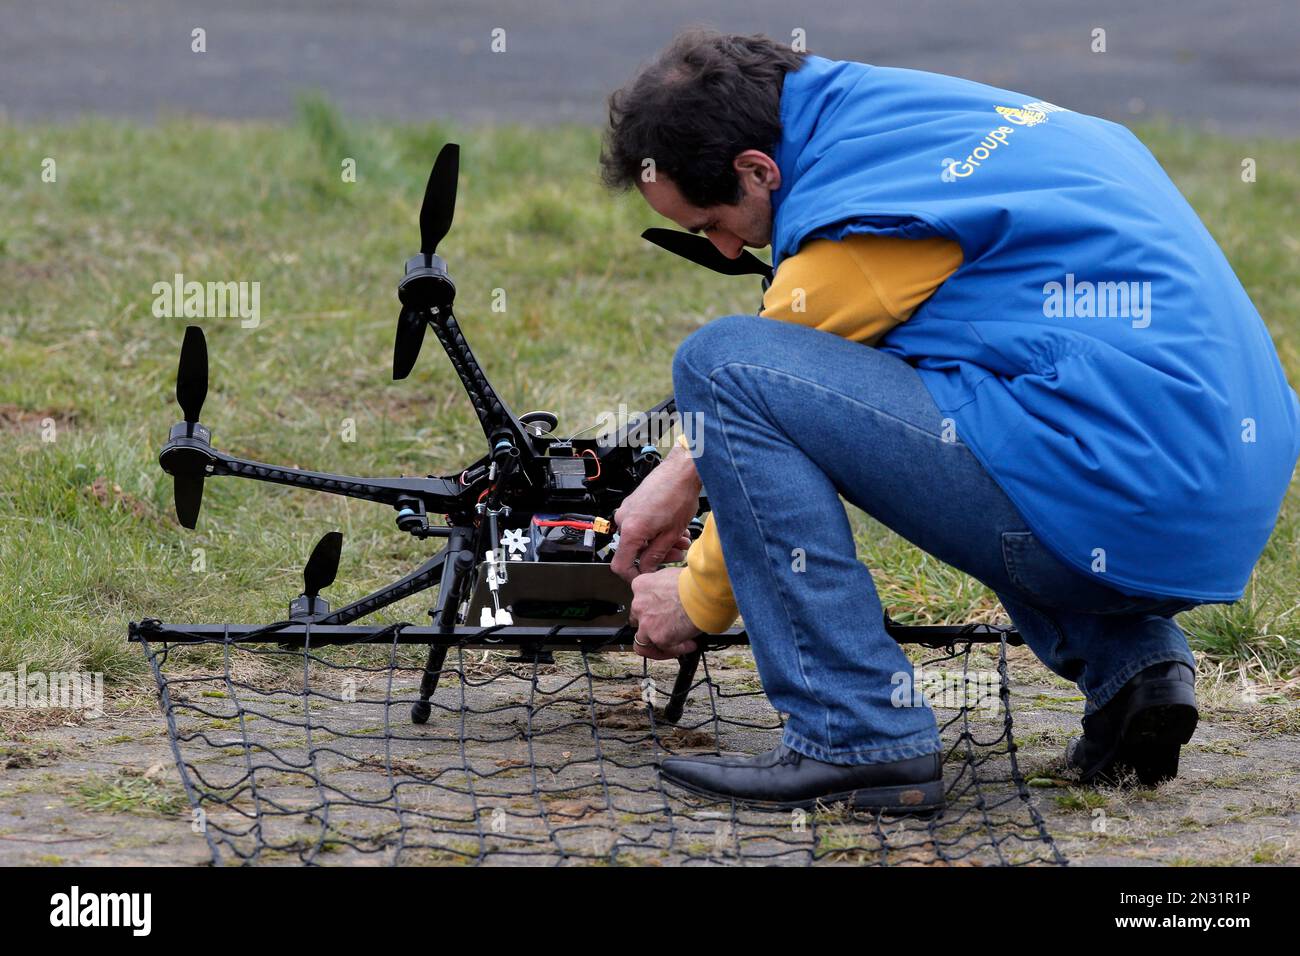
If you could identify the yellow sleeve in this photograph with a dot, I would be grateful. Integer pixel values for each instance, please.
(859, 289)
(704, 587)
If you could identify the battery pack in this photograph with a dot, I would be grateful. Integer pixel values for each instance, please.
(566, 537)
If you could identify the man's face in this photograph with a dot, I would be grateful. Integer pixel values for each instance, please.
(730, 228)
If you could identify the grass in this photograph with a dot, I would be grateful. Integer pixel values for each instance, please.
(592, 317)
(124, 793)
(1081, 801)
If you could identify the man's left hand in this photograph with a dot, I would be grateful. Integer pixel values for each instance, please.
(663, 627)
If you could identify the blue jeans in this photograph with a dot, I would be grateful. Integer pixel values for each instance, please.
(793, 418)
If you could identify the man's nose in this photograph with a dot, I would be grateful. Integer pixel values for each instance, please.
(729, 245)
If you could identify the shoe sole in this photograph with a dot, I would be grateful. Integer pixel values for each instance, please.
(1162, 719)
(901, 800)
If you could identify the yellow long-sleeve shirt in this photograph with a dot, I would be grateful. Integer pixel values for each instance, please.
(859, 289)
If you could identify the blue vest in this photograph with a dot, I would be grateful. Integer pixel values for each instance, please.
(1094, 350)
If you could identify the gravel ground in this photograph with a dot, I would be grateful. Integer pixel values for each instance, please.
(107, 790)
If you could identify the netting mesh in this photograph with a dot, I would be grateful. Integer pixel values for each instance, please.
(308, 755)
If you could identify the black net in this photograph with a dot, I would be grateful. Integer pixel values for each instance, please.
(308, 755)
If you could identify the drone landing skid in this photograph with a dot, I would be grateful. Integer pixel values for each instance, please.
(452, 571)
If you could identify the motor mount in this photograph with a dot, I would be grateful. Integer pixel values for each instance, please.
(426, 285)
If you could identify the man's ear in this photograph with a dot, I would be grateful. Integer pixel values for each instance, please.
(754, 167)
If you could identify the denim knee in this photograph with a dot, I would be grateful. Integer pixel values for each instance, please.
(714, 344)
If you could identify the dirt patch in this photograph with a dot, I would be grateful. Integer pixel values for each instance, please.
(16, 721)
(108, 790)
(1233, 802)
(112, 497)
(14, 418)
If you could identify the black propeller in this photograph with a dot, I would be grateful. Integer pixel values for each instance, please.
(406, 347)
(702, 252)
(426, 285)
(319, 574)
(191, 390)
(323, 565)
(192, 374)
(439, 199)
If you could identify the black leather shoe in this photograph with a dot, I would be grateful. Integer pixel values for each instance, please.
(785, 779)
(1140, 730)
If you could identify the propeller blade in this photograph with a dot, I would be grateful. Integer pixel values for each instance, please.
(439, 198)
(188, 490)
(406, 346)
(699, 250)
(323, 564)
(192, 374)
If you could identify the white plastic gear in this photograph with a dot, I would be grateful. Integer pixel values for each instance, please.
(515, 541)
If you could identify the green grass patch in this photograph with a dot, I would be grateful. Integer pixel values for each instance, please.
(592, 317)
(1076, 800)
(127, 793)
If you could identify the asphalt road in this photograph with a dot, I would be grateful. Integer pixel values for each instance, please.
(1225, 65)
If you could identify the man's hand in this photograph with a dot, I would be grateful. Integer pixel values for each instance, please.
(652, 521)
(663, 629)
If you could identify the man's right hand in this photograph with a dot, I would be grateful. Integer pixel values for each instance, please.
(653, 520)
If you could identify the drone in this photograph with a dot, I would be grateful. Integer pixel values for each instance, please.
(528, 526)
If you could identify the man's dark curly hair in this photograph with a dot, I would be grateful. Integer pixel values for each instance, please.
(707, 97)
